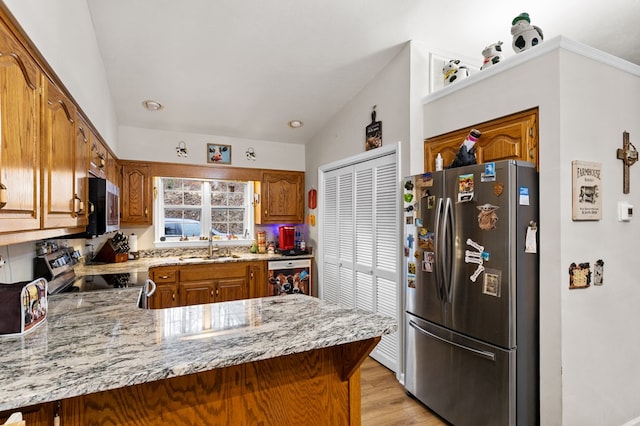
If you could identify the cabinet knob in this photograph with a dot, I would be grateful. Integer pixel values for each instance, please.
(173, 296)
(146, 211)
(163, 277)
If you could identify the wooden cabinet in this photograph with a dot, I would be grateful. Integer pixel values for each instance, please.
(58, 167)
(281, 198)
(135, 194)
(214, 282)
(166, 294)
(113, 171)
(19, 143)
(206, 283)
(98, 163)
(82, 152)
(512, 137)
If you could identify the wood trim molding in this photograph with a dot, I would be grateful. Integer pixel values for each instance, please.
(200, 171)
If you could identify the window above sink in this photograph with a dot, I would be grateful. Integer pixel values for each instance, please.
(188, 211)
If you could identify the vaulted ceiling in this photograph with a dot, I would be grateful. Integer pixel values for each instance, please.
(245, 68)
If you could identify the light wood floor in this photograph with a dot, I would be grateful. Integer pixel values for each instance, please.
(385, 401)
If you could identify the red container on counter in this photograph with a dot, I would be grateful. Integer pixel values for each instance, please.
(287, 238)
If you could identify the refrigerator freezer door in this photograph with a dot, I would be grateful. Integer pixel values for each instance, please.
(482, 289)
(425, 297)
(465, 381)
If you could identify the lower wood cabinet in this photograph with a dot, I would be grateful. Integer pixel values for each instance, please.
(206, 283)
(166, 294)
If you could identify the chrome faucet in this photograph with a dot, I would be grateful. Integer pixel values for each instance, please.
(211, 248)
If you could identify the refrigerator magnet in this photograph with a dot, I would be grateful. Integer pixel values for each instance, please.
(489, 174)
(487, 217)
(491, 282)
(418, 222)
(431, 202)
(427, 266)
(411, 282)
(411, 268)
(465, 188)
(524, 196)
(410, 240)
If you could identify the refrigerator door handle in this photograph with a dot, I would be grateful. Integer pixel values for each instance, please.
(439, 267)
(484, 354)
(446, 250)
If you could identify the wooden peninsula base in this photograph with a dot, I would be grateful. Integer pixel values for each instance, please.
(319, 387)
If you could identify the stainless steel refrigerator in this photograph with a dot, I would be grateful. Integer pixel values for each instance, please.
(471, 279)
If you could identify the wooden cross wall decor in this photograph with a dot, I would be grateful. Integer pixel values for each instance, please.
(629, 155)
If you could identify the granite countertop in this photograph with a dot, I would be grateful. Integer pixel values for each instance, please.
(90, 343)
(143, 264)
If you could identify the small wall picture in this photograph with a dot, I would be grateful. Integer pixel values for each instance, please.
(586, 190)
(218, 154)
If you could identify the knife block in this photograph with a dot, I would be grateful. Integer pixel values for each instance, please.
(108, 254)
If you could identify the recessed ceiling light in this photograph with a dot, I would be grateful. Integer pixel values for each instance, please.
(294, 124)
(152, 105)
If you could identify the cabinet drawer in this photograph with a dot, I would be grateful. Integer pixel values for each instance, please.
(164, 276)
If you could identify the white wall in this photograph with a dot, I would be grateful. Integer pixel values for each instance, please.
(63, 33)
(159, 145)
(343, 135)
(587, 349)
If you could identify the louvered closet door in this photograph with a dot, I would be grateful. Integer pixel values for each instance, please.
(360, 243)
(338, 251)
(376, 237)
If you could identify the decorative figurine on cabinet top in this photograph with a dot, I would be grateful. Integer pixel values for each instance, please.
(454, 71)
(492, 55)
(524, 34)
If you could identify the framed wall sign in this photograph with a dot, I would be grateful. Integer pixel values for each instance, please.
(586, 180)
(218, 154)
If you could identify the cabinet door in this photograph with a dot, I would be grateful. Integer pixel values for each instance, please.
(136, 195)
(165, 296)
(59, 160)
(196, 292)
(98, 163)
(281, 198)
(19, 143)
(228, 289)
(113, 173)
(512, 137)
(83, 151)
(257, 279)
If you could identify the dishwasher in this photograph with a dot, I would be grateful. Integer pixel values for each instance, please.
(289, 277)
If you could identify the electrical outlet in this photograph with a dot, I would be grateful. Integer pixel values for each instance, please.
(2, 262)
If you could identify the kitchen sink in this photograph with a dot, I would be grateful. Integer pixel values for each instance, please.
(214, 257)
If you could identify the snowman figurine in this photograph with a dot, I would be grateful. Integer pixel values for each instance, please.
(524, 34)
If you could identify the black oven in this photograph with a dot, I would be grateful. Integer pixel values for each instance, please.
(104, 208)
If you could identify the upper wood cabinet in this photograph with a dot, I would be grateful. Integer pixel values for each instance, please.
(281, 198)
(82, 152)
(135, 194)
(60, 201)
(512, 137)
(20, 84)
(98, 156)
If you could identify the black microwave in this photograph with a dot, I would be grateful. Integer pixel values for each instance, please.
(104, 207)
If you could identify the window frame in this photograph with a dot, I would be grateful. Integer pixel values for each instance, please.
(174, 241)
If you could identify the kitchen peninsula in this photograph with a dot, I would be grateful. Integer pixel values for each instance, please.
(102, 360)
